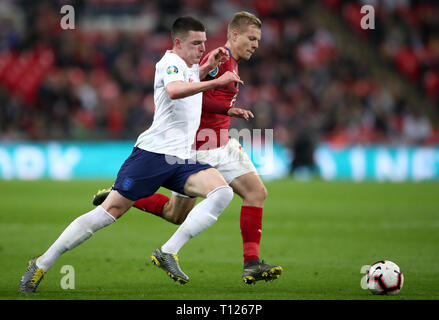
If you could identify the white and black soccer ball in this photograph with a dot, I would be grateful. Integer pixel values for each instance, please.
(385, 277)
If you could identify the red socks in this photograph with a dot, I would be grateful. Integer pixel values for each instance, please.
(153, 204)
(251, 229)
(250, 222)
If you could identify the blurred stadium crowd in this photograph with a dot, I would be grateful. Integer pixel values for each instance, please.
(96, 81)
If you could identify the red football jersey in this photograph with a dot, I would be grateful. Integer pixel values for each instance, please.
(216, 102)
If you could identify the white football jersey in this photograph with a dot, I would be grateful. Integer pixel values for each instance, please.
(175, 121)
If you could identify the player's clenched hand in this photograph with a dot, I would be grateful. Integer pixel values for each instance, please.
(218, 55)
(228, 77)
(240, 113)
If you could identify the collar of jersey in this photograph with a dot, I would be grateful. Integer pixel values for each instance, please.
(230, 52)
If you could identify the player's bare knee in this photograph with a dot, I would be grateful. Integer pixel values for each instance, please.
(263, 193)
(114, 208)
(216, 180)
(255, 197)
(115, 211)
(116, 204)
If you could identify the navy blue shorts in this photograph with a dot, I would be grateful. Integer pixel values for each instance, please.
(144, 172)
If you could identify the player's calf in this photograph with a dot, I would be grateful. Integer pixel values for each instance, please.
(174, 210)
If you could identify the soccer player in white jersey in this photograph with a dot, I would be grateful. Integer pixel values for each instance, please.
(213, 146)
(161, 157)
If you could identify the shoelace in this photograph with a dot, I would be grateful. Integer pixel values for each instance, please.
(38, 275)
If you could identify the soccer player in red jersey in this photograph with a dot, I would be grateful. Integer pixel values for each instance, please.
(177, 92)
(213, 146)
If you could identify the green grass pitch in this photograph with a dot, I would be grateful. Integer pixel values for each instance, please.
(321, 233)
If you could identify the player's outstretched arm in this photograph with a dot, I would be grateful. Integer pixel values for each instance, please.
(212, 105)
(215, 57)
(181, 89)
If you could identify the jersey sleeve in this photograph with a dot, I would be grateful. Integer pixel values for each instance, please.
(173, 71)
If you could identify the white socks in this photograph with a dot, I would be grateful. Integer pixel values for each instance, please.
(201, 217)
(76, 233)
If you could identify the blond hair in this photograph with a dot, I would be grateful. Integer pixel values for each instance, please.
(242, 20)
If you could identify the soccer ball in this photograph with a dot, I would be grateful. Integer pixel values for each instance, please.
(384, 277)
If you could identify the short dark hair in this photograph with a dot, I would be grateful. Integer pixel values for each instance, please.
(182, 26)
